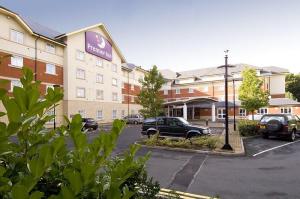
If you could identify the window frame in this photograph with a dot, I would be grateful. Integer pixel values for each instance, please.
(101, 97)
(222, 114)
(82, 70)
(113, 98)
(12, 85)
(116, 82)
(18, 33)
(47, 71)
(78, 88)
(15, 63)
(114, 116)
(50, 48)
(177, 89)
(242, 112)
(97, 115)
(282, 110)
(101, 78)
(259, 111)
(79, 52)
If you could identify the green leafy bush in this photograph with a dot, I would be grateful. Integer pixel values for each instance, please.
(38, 164)
(202, 142)
(247, 127)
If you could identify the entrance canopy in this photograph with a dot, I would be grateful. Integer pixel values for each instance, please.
(200, 102)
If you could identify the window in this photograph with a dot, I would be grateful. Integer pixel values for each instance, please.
(99, 115)
(205, 89)
(114, 82)
(114, 114)
(80, 73)
(132, 99)
(177, 91)
(14, 83)
(99, 94)
(114, 67)
(262, 111)
(242, 112)
(123, 113)
(82, 113)
(80, 55)
(99, 62)
(16, 61)
(165, 92)
(99, 78)
(17, 36)
(132, 87)
(50, 69)
(50, 48)
(191, 90)
(221, 113)
(114, 96)
(80, 92)
(286, 110)
(177, 81)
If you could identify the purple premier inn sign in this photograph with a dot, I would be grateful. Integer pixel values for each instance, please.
(97, 45)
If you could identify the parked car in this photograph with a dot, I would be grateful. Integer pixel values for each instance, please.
(279, 125)
(89, 123)
(174, 126)
(134, 119)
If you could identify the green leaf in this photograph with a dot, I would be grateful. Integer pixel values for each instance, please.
(2, 170)
(67, 193)
(13, 111)
(36, 195)
(74, 179)
(19, 191)
(20, 98)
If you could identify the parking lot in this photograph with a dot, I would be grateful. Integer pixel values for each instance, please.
(269, 169)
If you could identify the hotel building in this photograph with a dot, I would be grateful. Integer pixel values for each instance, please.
(199, 94)
(86, 63)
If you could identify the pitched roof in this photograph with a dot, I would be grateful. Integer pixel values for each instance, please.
(34, 27)
(214, 71)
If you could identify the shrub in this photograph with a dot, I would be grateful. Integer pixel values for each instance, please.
(247, 127)
(39, 164)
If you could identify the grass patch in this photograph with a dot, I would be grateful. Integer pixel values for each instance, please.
(201, 142)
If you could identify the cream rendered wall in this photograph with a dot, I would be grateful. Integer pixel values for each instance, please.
(27, 49)
(90, 104)
(277, 84)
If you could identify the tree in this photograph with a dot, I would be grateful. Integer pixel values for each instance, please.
(292, 85)
(149, 97)
(251, 94)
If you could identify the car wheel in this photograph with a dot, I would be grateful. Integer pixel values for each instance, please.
(265, 135)
(293, 136)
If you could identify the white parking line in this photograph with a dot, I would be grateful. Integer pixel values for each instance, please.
(192, 181)
(274, 148)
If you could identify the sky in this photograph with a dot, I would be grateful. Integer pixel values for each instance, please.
(183, 34)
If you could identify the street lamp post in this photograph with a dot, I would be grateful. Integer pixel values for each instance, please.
(233, 87)
(226, 145)
(54, 111)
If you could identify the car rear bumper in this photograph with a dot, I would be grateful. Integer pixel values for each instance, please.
(275, 133)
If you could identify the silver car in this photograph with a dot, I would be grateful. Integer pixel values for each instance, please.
(134, 119)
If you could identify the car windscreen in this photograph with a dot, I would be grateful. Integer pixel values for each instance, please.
(268, 118)
(183, 121)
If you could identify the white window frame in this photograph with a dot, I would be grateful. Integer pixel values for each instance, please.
(49, 86)
(114, 96)
(114, 82)
(50, 48)
(78, 73)
(99, 78)
(78, 89)
(16, 61)
(16, 36)
(177, 91)
(286, 110)
(166, 92)
(114, 114)
(114, 68)
(15, 82)
(191, 90)
(101, 96)
(242, 112)
(262, 111)
(221, 113)
(99, 62)
(80, 55)
(99, 114)
(49, 70)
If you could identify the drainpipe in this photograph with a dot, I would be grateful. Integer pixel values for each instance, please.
(35, 59)
(128, 94)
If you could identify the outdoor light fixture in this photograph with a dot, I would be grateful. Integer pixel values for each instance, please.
(226, 145)
(54, 122)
